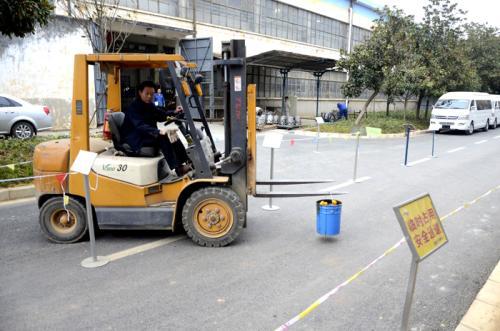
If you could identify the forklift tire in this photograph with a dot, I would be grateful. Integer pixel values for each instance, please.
(213, 216)
(55, 224)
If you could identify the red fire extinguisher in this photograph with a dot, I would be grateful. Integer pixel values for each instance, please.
(106, 132)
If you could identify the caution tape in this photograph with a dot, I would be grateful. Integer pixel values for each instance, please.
(325, 297)
(12, 166)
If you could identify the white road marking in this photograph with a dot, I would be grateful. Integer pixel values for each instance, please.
(496, 137)
(347, 183)
(455, 150)
(143, 248)
(480, 142)
(418, 161)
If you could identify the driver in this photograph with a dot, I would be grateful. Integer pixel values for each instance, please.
(140, 129)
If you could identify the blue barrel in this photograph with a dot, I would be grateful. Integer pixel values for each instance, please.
(328, 218)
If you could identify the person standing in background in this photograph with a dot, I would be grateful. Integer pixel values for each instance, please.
(159, 100)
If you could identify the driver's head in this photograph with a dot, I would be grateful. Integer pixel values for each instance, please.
(146, 91)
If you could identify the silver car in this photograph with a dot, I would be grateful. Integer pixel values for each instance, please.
(21, 119)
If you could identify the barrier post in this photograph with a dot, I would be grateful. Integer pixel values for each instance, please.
(270, 206)
(407, 144)
(319, 120)
(83, 165)
(356, 158)
(272, 141)
(433, 141)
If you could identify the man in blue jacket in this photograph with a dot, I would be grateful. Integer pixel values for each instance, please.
(140, 129)
(342, 110)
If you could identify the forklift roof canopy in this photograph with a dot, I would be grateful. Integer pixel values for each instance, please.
(292, 61)
(138, 60)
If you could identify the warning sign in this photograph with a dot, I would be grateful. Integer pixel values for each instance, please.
(421, 225)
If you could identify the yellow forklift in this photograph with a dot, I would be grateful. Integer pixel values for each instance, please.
(210, 203)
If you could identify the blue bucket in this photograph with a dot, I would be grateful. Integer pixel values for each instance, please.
(328, 218)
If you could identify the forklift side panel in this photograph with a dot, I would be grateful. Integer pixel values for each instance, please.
(152, 218)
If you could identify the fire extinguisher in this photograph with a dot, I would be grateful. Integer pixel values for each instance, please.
(106, 132)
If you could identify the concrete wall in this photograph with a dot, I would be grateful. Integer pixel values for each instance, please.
(39, 67)
(306, 107)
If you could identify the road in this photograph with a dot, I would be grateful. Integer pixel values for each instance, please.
(278, 266)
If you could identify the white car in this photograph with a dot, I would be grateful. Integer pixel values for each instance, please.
(465, 111)
(495, 113)
(21, 119)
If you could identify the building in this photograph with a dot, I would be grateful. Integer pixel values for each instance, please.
(39, 67)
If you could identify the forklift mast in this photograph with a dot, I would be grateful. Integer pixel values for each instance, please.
(233, 66)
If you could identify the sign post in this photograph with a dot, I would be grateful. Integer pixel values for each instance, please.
(424, 234)
(83, 164)
(319, 120)
(272, 141)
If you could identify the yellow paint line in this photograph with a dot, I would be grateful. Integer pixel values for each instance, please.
(143, 248)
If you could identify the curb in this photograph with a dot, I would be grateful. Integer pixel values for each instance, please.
(351, 136)
(484, 312)
(19, 192)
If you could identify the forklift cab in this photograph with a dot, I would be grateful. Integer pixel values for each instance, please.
(210, 204)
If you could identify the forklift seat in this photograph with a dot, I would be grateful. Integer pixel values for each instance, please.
(115, 121)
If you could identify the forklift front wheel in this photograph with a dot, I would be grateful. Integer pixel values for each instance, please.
(63, 225)
(213, 216)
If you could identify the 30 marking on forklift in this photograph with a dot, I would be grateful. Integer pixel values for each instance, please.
(143, 248)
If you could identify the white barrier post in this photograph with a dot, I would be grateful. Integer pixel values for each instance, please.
(83, 164)
(272, 141)
(319, 120)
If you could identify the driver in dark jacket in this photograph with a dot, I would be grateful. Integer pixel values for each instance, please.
(140, 129)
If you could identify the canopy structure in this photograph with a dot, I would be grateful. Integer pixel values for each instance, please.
(286, 61)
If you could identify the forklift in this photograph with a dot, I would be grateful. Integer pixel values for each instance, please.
(127, 192)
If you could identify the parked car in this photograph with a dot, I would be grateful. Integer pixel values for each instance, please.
(21, 119)
(495, 113)
(466, 111)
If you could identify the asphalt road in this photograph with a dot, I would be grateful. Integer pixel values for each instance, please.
(279, 265)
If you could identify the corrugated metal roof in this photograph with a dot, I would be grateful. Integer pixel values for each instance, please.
(292, 61)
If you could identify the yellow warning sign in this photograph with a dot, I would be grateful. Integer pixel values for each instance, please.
(421, 225)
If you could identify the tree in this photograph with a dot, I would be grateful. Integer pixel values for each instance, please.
(19, 18)
(482, 45)
(107, 31)
(448, 68)
(373, 65)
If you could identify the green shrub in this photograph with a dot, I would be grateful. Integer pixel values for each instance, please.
(394, 123)
(14, 151)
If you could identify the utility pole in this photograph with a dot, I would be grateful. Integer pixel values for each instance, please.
(194, 19)
(349, 39)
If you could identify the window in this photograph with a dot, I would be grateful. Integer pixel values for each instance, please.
(483, 104)
(6, 102)
(453, 104)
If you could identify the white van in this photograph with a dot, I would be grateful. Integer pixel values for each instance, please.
(495, 113)
(465, 111)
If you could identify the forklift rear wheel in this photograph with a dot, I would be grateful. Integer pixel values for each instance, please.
(62, 225)
(213, 216)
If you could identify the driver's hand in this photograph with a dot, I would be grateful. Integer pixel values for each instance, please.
(178, 109)
(163, 131)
